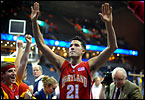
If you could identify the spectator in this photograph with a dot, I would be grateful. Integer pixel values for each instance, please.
(37, 72)
(127, 89)
(96, 88)
(11, 78)
(49, 86)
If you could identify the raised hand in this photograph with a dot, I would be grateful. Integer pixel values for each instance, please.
(35, 11)
(28, 38)
(106, 14)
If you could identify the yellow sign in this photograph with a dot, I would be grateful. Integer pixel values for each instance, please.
(9, 59)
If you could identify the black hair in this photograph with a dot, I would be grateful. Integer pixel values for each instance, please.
(83, 43)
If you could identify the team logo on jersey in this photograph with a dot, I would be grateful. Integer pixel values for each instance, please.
(81, 69)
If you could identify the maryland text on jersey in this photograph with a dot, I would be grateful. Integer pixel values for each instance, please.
(75, 78)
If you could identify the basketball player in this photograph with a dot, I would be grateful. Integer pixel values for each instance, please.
(75, 79)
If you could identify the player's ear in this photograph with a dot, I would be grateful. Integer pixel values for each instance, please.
(83, 51)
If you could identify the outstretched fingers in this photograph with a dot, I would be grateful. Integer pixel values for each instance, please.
(106, 14)
(110, 9)
(106, 7)
(35, 11)
(103, 9)
(36, 6)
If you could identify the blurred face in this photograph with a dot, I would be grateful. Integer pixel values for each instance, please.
(9, 76)
(50, 89)
(37, 72)
(119, 79)
(97, 81)
(76, 49)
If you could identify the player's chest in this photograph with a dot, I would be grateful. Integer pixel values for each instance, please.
(81, 70)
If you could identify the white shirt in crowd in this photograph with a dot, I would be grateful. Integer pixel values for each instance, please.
(96, 91)
(40, 84)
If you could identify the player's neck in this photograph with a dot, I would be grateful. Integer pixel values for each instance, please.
(75, 61)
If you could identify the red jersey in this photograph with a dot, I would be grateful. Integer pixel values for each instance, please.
(75, 83)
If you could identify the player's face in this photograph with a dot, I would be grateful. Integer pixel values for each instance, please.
(119, 80)
(9, 76)
(75, 49)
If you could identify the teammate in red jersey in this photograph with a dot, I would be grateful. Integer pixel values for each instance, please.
(75, 78)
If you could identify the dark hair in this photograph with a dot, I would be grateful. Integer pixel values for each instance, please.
(83, 43)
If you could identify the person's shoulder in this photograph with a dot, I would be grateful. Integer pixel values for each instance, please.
(26, 82)
(131, 83)
(65, 63)
(84, 63)
(39, 78)
(112, 84)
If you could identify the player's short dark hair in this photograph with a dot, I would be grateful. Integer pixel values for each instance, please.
(83, 43)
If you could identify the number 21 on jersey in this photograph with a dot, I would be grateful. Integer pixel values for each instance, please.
(72, 89)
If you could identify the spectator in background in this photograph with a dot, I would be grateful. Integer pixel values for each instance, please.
(49, 86)
(37, 72)
(121, 88)
(96, 87)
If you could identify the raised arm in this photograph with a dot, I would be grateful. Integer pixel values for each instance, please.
(19, 53)
(56, 60)
(102, 58)
(24, 59)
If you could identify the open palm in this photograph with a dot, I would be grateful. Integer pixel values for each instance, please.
(35, 11)
(106, 14)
